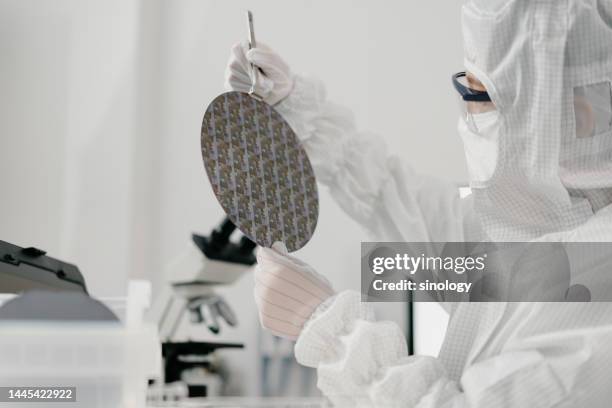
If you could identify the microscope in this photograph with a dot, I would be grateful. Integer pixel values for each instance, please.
(189, 293)
(210, 261)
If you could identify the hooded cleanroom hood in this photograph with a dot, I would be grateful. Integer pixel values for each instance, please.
(547, 65)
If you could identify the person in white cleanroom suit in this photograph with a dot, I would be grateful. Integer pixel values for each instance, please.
(540, 162)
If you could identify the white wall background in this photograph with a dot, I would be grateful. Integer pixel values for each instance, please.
(101, 108)
(68, 116)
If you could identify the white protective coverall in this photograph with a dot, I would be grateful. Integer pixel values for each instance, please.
(536, 58)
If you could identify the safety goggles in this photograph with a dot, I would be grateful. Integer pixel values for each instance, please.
(471, 101)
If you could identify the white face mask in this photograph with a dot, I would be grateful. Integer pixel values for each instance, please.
(481, 148)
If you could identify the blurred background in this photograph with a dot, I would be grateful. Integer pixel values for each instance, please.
(100, 113)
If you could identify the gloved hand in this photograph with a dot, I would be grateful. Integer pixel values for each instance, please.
(287, 291)
(274, 81)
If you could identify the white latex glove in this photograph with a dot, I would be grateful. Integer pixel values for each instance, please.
(273, 84)
(287, 291)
